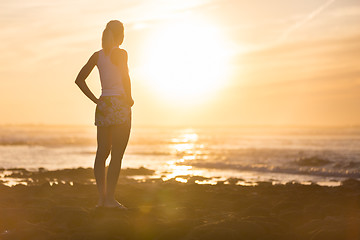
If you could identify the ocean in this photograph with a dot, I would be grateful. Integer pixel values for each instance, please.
(307, 155)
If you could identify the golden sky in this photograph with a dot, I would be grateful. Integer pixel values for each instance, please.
(192, 62)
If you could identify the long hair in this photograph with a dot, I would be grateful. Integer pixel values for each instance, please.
(113, 35)
(107, 40)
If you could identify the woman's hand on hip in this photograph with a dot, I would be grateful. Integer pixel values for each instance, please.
(130, 102)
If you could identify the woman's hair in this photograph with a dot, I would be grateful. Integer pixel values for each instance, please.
(113, 35)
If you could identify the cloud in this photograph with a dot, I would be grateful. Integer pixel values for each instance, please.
(317, 62)
(305, 20)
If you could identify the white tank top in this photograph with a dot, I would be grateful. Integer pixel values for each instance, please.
(110, 76)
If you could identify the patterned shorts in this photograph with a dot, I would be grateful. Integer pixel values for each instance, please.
(112, 110)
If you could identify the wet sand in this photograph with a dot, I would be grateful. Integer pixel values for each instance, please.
(171, 210)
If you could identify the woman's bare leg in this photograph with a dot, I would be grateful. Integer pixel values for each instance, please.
(119, 138)
(102, 153)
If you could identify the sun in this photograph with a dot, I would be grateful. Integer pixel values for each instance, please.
(186, 62)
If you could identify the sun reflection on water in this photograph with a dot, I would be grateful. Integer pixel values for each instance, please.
(183, 180)
(186, 137)
(186, 143)
(175, 171)
(185, 147)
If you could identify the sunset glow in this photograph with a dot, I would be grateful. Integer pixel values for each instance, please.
(198, 62)
(187, 61)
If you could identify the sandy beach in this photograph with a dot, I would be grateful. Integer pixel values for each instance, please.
(174, 210)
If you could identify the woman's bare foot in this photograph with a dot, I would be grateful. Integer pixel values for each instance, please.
(114, 204)
(100, 203)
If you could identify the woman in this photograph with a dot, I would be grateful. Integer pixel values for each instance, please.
(113, 109)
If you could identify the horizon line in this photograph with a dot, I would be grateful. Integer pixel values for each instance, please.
(357, 125)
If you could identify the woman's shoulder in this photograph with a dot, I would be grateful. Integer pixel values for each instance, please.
(94, 58)
(119, 52)
(97, 53)
(118, 55)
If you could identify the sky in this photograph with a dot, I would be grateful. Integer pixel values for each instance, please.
(192, 62)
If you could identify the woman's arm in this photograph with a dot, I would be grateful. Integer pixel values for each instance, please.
(120, 58)
(83, 74)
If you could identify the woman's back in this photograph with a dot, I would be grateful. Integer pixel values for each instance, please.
(110, 75)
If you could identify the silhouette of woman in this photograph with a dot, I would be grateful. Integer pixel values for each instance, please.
(113, 109)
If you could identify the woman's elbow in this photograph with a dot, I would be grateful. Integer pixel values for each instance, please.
(79, 81)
